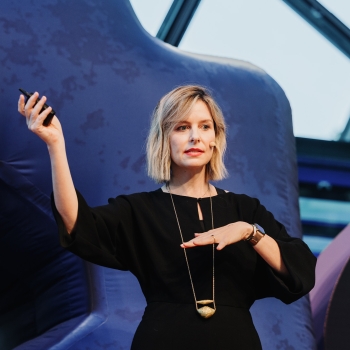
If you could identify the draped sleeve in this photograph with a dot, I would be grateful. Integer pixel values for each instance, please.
(99, 233)
(296, 255)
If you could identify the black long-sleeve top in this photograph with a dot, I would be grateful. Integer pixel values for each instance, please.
(139, 233)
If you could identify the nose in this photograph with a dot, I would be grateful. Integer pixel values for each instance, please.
(194, 137)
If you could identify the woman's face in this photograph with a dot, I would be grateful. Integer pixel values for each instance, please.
(190, 139)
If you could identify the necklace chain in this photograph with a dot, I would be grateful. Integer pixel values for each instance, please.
(205, 311)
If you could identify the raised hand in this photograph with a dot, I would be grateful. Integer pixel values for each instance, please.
(49, 134)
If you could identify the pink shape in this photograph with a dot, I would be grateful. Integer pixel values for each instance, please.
(330, 263)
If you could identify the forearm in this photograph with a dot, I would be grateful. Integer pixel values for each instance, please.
(63, 188)
(269, 250)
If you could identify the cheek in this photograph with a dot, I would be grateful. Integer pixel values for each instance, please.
(175, 144)
(173, 149)
(212, 135)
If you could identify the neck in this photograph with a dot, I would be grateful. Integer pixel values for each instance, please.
(191, 184)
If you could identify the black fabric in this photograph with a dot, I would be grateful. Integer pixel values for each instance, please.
(201, 222)
(139, 233)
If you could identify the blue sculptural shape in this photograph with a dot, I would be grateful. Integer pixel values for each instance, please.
(103, 74)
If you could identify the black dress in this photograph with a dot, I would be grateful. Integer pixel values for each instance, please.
(139, 233)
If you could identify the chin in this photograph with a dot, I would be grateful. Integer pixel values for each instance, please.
(194, 164)
(191, 163)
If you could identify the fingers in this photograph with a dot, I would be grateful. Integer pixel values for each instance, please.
(207, 241)
(26, 108)
(30, 104)
(37, 108)
(21, 104)
(38, 121)
(200, 240)
(221, 245)
(32, 111)
(222, 236)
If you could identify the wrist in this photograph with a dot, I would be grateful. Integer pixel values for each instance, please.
(248, 232)
(56, 149)
(257, 234)
(56, 146)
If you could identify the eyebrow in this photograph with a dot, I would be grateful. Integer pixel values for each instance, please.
(201, 121)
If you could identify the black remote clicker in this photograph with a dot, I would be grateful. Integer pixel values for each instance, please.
(48, 119)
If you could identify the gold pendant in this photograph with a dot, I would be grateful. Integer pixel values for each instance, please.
(206, 311)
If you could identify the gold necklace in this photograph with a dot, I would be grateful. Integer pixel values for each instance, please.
(204, 311)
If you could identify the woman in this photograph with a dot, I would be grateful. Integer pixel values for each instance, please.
(197, 298)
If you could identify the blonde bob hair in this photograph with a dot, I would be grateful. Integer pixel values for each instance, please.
(170, 110)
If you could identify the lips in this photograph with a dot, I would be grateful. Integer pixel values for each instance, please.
(194, 150)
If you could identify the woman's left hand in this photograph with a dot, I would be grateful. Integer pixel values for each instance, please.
(223, 236)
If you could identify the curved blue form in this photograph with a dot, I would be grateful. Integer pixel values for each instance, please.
(103, 74)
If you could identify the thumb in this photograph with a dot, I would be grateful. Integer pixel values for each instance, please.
(221, 245)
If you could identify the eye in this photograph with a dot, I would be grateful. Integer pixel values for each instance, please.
(205, 126)
(181, 128)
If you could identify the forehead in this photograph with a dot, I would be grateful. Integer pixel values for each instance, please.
(199, 111)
